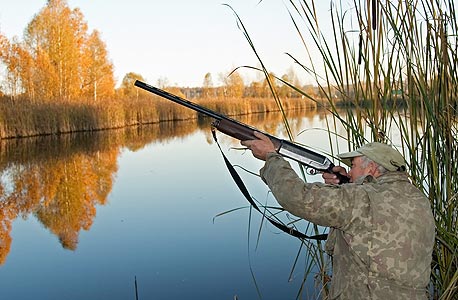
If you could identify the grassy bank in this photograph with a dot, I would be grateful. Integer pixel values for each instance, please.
(22, 118)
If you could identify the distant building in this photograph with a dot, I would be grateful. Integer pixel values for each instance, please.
(192, 93)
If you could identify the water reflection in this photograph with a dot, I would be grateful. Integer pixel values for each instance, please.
(62, 180)
(59, 180)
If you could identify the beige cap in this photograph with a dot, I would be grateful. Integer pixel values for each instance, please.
(382, 154)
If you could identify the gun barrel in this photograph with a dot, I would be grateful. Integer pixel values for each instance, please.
(178, 100)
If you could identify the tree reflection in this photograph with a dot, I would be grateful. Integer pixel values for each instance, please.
(61, 180)
(7, 214)
(73, 188)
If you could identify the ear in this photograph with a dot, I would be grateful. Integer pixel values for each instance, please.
(373, 168)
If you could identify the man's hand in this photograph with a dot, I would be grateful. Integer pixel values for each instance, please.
(331, 178)
(260, 147)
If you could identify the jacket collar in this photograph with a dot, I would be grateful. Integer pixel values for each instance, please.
(387, 177)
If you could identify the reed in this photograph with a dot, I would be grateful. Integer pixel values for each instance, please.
(400, 58)
(22, 118)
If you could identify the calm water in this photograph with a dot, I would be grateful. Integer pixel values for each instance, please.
(83, 215)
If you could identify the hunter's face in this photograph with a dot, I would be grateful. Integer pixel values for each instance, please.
(359, 169)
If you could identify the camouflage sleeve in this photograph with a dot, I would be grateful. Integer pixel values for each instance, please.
(322, 204)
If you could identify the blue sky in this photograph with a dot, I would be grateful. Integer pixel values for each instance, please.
(180, 40)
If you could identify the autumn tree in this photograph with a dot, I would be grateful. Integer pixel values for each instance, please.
(287, 80)
(12, 55)
(97, 71)
(127, 88)
(255, 89)
(207, 86)
(58, 59)
(163, 82)
(311, 91)
(3, 44)
(55, 37)
(268, 85)
(233, 85)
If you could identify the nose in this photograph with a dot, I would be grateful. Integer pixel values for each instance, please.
(350, 174)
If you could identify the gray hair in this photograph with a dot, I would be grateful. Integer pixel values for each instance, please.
(366, 160)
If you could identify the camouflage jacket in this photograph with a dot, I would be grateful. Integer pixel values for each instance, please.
(382, 230)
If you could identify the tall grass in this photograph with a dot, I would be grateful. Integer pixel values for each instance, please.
(384, 53)
(22, 118)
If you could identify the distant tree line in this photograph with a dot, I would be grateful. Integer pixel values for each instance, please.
(233, 87)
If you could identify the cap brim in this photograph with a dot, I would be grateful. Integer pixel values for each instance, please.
(350, 154)
(347, 156)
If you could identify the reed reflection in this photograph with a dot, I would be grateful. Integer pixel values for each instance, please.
(63, 180)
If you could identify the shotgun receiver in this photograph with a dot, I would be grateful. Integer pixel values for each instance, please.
(243, 132)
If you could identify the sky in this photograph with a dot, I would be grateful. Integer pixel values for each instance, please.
(181, 40)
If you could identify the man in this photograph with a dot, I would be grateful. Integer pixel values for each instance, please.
(382, 227)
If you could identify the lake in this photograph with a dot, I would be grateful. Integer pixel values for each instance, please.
(92, 215)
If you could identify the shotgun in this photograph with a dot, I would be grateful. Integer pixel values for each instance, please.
(243, 132)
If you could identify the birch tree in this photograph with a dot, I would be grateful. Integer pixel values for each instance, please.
(58, 60)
